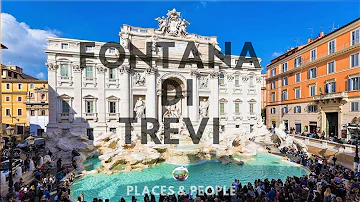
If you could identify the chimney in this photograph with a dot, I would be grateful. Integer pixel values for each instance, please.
(309, 40)
(322, 34)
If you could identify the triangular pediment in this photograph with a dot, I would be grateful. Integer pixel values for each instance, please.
(252, 100)
(112, 97)
(65, 96)
(89, 97)
(223, 100)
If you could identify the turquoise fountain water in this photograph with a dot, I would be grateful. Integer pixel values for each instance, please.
(209, 173)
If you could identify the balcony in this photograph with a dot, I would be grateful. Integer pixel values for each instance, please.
(90, 116)
(112, 116)
(91, 81)
(65, 79)
(330, 96)
(65, 116)
(114, 82)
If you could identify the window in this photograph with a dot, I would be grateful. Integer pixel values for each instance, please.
(251, 128)
(19, 112)
(64, 70)
(331, 47)
(42, 96)
(312, 90)
(89, 72)
(251, 108)
(284, 95)
(222, 79)
(284, 110)
(285, 67)
(237, 107)
(64, 45)
(355, 37)
(43, 112)
(354, 83)
(112, 73)
(237, 80)
(297, 77)
(354, 106)
(7, 99)
(31, 94)
(31, 86)
(297, 109)
(285, 81)
(312, 108)
(330, 87)
(89, 106)
(65, 107)
(251, 81)
(7, 112)
(312, 55)
(312, 73)
(113, 130)
(89, 48)
(32, 113)
(8, 86)
(273, 110)
(112, 107)
(331, 67)
(297, 93)
(19, 86)
(273, 86)
(222, 108)
(297, 61)
(273, 98)
(354, 60)
(19, 98)
(111, 50)
(273, 72)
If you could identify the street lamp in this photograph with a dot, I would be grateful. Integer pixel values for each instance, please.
(10, 132)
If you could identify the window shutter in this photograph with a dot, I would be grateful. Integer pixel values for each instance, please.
(309, 74)
(334, 90)
(349, 85)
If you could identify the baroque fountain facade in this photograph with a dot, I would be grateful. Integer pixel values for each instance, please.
(87, 102)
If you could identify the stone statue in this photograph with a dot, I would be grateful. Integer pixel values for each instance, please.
(124, 40)
(204, 106)
(139, 108)
(183, 26)
(139, 79)
(162, 24)
(172, 112)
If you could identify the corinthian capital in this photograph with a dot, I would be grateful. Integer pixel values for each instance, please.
(125, 69)
(194, 72)
(51, 66)
(214, 74)
(76, 68)
(101, 69)
(151, 70)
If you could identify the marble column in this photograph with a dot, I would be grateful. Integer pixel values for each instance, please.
(230, 105)
(194, 109)
(159, 106)
(150, 99)
(125, 91)
(214, 102)
(77, 103)
(52, 69)
(101, 102)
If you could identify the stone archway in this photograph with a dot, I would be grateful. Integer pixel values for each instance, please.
(179, 109)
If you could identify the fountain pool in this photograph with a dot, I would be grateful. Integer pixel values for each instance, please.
(207, 173)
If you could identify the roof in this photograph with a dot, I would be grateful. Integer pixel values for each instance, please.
(294, 50)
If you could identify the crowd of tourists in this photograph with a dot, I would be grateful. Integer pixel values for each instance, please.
(47, 184)
(327, 182)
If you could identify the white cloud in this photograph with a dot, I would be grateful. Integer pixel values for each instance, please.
(25, 45)
(40, 75)
(276, 54)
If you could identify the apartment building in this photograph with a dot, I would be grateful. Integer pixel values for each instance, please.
(316, 86)
(17, 89)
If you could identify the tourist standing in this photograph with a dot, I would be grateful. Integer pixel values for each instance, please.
(334, 159)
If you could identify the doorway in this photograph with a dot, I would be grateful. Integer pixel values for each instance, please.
(331, 124)
(298, 127)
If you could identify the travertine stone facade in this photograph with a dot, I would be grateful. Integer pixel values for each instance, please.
(95, 97)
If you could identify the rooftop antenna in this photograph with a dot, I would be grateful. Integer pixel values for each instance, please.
(322, 27)
(297, 41)
(311, 31)
(333, 28)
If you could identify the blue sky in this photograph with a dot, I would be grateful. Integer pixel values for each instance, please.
(272, 27)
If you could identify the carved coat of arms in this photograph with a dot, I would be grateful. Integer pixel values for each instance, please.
(173, 24)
